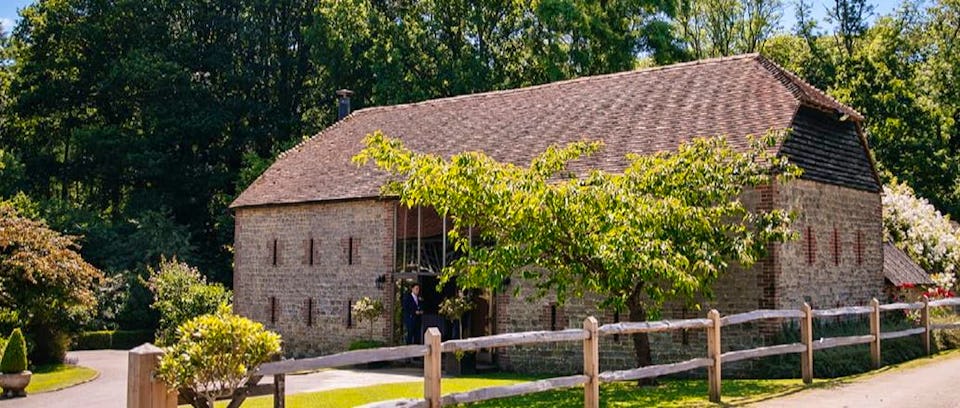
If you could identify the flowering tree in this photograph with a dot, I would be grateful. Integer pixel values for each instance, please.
(368, 310)
(922, 232)
(663, 229)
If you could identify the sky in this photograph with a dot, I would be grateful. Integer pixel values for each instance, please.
(8, 10)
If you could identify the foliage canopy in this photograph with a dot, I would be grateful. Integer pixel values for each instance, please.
(663, 229)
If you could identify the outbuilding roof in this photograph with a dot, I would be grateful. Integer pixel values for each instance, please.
(898, 268)
(642, 111)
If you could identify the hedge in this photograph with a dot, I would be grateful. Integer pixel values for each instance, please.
(112, 339)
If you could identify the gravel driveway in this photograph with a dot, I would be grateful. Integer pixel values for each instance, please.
(930, 385)
(109, 390)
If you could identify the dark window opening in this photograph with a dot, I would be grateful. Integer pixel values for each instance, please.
(273, 309)
(553, 317)
(349, 313)
(859, 247)
(274, 252)
(309, 312)
(836, 246)
(310, 255)
(350, 251)
(811, 247)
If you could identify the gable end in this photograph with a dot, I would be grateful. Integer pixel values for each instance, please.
(829, 150)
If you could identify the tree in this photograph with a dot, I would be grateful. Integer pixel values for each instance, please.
(182, 293)
(45, 285)
(214, 354)
(922, 232)
(717, 28)
(664, 229)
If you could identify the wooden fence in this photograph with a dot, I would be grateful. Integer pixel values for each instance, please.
(590, 336)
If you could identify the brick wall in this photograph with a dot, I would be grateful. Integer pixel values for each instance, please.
(353, 244)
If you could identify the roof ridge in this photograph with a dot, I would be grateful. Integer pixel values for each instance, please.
(565, 82)
(803, 88)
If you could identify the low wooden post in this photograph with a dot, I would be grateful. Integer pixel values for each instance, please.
(925, 322)
(431, 368)
(806, 336)
(143, 390)
(713, 352)
(591, 363)
(875, 331)
(279, 391)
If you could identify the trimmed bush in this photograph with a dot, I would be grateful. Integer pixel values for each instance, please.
(112, 339)
(14, 354)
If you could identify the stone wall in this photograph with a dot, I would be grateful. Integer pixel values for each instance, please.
(783, 279)
(838, 258)
(353, 244)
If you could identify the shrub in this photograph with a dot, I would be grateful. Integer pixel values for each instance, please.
(112, 339)
(14, 354)
(48, 289)
(368, 310)
(845, 360)
(181, 293)
(214, 354)
(365, 344)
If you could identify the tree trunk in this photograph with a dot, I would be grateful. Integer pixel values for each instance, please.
(641, 341)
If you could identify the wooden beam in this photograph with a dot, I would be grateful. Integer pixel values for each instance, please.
(954, 301)
(431, 368)
(652, 327)
(902, 333)
(655, 370)
(279, 391)
(524, 388)
(759, 315)
(875, 331)
(843, 311)
(713, 352)
(591, 363)
(514, 339)
(901, 306)
(758, 352)
(925, 323)
(831, 342)
(806, 337)
(342, 359)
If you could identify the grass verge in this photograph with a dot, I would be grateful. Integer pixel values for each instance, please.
(669, 393)
(59, 376)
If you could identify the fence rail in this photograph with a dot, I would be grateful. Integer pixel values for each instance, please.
(590, 336)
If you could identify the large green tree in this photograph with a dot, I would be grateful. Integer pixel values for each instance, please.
(663, 229)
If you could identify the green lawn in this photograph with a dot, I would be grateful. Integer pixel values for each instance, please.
(677, 393)
(351, 397)
(668, 393)
(58, 376)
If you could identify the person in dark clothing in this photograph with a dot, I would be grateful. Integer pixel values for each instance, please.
(412, 306)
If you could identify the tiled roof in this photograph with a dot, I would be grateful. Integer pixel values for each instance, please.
(642, 111)
(898, 268)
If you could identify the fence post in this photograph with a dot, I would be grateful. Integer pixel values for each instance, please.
(875, 331)
(143, 391)
(925, 322)
(806, 336)
(713, 352)
(591, 364)
(279, 391)
(431, 368)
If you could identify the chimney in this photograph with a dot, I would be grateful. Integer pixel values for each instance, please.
(343, 103)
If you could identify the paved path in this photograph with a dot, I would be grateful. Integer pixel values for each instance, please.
(929, 386)
(110, 389)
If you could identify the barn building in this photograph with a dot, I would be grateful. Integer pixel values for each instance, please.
(314, 234)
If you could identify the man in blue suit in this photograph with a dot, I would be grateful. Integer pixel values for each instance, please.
(412, 310)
